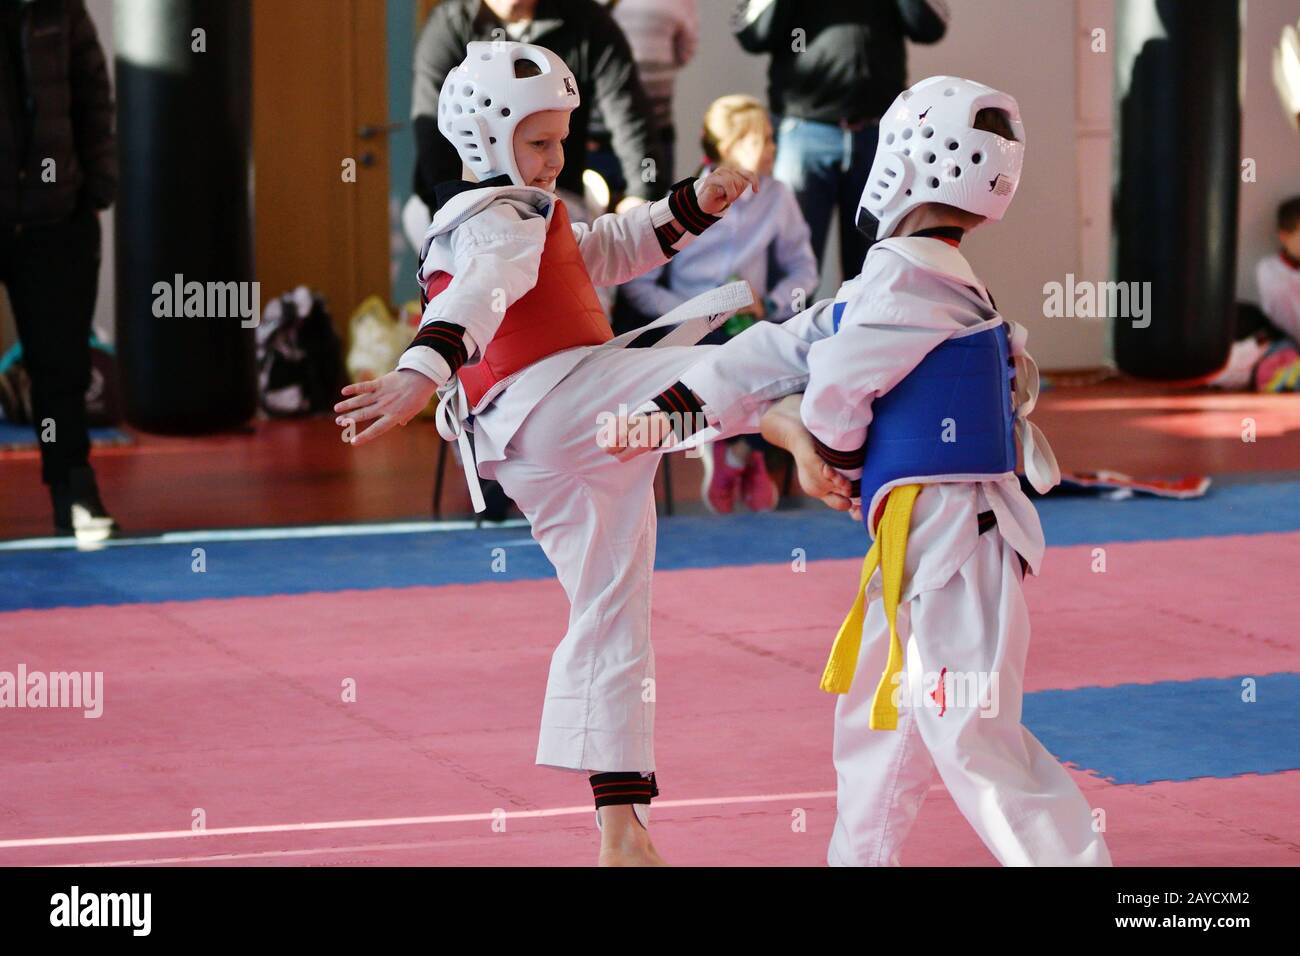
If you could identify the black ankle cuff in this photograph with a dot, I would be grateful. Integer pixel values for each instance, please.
(618, 789)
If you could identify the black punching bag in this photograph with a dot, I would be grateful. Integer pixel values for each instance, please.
(185, 336)
(1179, 127)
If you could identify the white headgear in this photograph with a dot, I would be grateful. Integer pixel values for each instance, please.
(482, 101)
(930, 152)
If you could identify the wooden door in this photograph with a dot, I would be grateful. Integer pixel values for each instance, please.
(318, 83)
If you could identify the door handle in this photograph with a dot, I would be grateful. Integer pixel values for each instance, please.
(370, 131)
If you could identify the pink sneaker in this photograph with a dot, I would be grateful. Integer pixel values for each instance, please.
(756, 485)
(720, 479)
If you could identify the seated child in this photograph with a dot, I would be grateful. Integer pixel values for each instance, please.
(1264, 356)
(764, 241)
(1278, 278)
(917, 390)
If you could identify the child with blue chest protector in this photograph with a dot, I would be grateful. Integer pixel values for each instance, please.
(918, 389)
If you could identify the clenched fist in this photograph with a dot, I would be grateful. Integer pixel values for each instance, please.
(722, 187)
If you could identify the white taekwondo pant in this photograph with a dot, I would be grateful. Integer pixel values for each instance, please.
(595, 518)
(1020, 800)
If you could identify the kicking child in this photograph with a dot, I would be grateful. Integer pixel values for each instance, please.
(514, 336)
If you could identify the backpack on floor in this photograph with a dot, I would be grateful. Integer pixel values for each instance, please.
(299, 356)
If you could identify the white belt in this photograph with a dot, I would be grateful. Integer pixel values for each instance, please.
(694, 318)
(1040, 461)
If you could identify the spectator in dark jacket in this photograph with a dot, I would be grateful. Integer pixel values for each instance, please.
(664, 35)
(58, 168)
(580, 32)
(836, 66)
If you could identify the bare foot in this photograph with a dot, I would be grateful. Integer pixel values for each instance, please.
(623, 841)
(781, 425)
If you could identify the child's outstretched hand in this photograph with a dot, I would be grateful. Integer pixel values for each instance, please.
(392, 400)
(722, 187)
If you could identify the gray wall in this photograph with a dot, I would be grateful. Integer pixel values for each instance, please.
(1039, 240)
(1059, 222)
(1033, 49)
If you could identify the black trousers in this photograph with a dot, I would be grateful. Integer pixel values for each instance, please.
(52, 274)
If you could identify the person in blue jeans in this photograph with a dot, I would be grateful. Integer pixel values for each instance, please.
(835, 67)
(826, 166)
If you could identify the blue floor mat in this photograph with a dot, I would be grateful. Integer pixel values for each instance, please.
(1172, 730)
(147, 572)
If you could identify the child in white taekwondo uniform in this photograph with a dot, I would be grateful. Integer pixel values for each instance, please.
(917, 389)
(514, 336)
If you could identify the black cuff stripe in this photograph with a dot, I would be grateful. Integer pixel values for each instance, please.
(445, 338)
(844, 460)
(668, 234)
(684, 409)
(685, 206)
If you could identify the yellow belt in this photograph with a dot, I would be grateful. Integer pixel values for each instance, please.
(888, 552)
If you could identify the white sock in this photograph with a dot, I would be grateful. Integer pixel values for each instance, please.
(738, 454)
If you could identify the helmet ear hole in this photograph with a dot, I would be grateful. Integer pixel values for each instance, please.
(934, 182)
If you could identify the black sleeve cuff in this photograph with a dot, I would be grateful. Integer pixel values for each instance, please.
(445, 338)
(685, 206)
(684, 410)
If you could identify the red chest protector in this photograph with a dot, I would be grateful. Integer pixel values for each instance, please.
(560, 312)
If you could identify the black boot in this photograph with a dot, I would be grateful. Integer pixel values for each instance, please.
(77, 507)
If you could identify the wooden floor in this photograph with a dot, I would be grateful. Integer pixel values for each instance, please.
(296, 472)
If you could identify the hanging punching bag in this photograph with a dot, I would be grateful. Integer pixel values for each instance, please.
(186, 304)
(1179, 126)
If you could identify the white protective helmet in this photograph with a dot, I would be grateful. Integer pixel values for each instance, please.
(929, 151)
(482, 101)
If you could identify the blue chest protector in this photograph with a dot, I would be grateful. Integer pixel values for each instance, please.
(952, 415)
